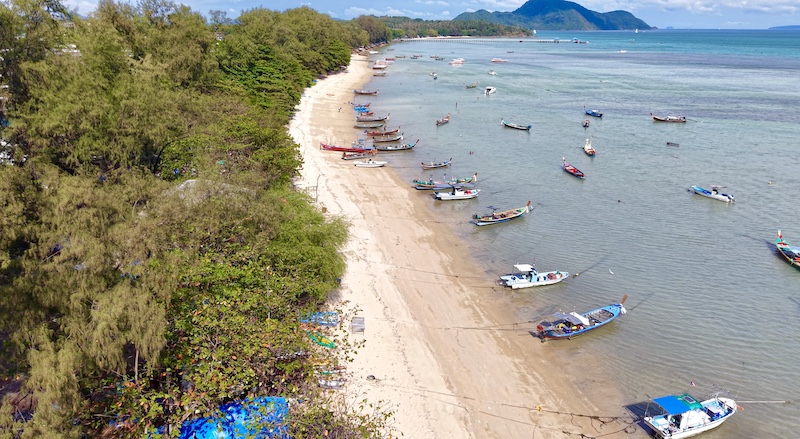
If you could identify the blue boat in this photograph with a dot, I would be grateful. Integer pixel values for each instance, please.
(685, 416)
(714, 193)
(591, 112)
(567, 326)
(792, 254)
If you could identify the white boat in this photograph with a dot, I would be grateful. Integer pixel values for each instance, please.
(684, 416)
(526, 276)
(370, 164)
(457, 62)
(456, 194)
(714, 193)
(499, 60)
(492, 72)
(489, 90)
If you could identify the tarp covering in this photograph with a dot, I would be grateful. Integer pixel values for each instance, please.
(258, 418)
(524, 268)
(677, 404)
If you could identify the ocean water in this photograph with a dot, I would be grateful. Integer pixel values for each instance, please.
(710, 302)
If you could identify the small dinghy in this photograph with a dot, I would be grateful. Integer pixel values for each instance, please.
(593, 113)
(567, 326)
(370, 164)
(588, 148)
(571, 169)
(714, 193)
(685, 416)
(526, 276)
(458, 193)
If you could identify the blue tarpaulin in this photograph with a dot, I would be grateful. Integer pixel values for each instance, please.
(258, 418)
(677, 404)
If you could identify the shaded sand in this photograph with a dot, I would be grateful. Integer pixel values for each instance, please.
(440, 347)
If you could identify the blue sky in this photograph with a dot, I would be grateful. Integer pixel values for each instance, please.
(682, 14)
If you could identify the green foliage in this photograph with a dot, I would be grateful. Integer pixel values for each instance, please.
(407, 27)
(142, 293)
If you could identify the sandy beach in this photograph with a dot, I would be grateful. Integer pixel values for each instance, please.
(441, 347)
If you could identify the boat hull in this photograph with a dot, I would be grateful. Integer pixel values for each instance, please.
(721, 409)
(501, 217)
(726, 198)
(564, 330)
(791, 254)
(517, 281)
(370, 164)
(457, 195)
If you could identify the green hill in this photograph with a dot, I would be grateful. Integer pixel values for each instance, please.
(558, 15)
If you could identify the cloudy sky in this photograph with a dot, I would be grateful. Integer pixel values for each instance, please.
(681, 14)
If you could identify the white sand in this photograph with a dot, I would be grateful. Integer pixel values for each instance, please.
(438, 340)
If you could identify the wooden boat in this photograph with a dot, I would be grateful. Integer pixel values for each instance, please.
(499, 60)
(567, 326)
(473, 85)
(433, 165)
(571, 169)
(359, 155)
(387, 138)
(329, 147)
(489, 90)
(588, 148)
(373, 124)
(457, 193)
(383, 132)
(792, 254)
(714, 193)
(443, 120)
(354, 104)
(370, 164)
(674, 119)
(526, 276)
(593, 113)
(673, 144)
(403, 147)
(379, 73)
(372, 118)
(500, 217)
(585, 123)
(432, 184)
(685, 416)
(366, 92)
(516, 126)
(361, 110)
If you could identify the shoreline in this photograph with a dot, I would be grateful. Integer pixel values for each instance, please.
(437, 339)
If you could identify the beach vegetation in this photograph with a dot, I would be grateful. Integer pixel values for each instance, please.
(155, 259)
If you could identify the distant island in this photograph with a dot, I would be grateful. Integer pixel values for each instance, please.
(790, 27)
(558, 15)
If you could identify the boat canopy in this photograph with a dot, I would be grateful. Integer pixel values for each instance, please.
(573, 317)
(525, 268)
(677, 404)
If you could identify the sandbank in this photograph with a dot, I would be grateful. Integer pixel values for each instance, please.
(440, 349)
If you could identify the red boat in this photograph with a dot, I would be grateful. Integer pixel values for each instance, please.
(327, 147)
(572, 170)
(382, 133)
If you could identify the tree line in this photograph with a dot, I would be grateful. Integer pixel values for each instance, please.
(155, 259)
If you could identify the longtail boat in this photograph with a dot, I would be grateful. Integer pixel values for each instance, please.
(792, 254)
(383, 132)
(571, 169)
(500, 217)
(567, 326)
(328, 147)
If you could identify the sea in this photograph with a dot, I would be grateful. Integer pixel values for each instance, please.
(712, 307)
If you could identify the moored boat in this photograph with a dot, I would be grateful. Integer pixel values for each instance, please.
(500, 217)
(489, 90)
(516, 125)
(402, 147)
(792, 254)
(443, 120)
(387, 138)
(383, 132)
(359, 155)
(585, 123)
(370, 164)
(674, 119)
(434, 165)
(571, 169)
(566, 326)
(588, 149)
(366, 92)
(432, 184)
(527, 276)
(473, 85)
(457, 193)
(372, 118)
(329, 147)
(373, 124)
(714, 193)
(593, 113)
(685, 416)
(498, 60)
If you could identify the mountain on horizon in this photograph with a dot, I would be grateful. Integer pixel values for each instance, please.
(558, 15)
